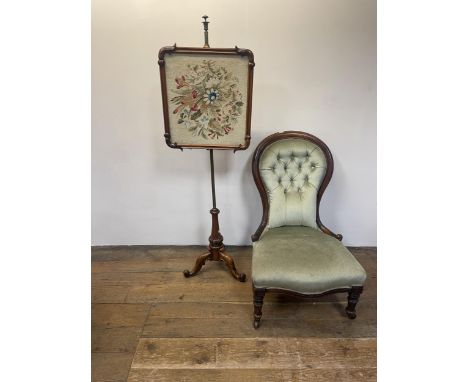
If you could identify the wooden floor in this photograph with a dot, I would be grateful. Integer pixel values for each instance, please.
(149, 323)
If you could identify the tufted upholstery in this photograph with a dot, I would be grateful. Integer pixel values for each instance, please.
(292, 171)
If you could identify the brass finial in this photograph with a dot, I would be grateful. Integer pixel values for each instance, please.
(205, 27)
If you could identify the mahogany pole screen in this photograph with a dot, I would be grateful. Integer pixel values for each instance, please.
(207, 104)
(207, 96)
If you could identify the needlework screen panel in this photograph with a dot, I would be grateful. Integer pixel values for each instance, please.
(208, 99)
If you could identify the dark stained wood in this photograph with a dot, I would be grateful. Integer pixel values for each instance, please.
(259, 294)
(211, 307)
(216, 250)
(206, 51)
(353, 299)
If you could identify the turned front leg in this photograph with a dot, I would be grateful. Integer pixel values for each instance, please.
(353, 298)
(259, 294)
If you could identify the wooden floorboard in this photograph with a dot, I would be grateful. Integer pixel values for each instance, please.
(189, 320)
(117, 327)
(110, 367)
(252, 375)
(254, 353)
(149, 323)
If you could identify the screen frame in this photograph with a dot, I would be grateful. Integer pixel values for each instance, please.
(206, 52)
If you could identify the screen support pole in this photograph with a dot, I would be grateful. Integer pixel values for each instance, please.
(216, 251)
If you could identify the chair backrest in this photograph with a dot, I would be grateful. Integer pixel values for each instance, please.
(291, 171)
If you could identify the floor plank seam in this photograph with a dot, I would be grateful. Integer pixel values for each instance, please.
(138, 339)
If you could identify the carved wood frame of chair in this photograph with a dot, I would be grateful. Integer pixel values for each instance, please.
(354, 292)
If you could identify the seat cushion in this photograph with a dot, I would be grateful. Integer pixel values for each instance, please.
(304, 260)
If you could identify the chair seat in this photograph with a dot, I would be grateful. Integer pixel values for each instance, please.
(304, 260)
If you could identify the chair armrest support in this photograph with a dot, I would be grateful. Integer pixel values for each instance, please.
(326, 230)
(257, 233)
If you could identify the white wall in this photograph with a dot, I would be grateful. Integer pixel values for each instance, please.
(315, 71)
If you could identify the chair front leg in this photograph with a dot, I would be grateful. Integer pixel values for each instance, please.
(259, 294)
(353, 298)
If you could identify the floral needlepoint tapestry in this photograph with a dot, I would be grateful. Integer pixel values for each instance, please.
(207, 97)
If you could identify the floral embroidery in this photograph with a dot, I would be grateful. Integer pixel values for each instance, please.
(208, 101)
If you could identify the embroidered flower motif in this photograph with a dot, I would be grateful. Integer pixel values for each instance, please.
(204, 120)
(207, 100)
(210, 96)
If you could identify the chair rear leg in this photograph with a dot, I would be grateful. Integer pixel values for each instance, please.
(353, 298)
(259, 294)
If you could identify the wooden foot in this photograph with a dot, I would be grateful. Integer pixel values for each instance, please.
(228, 260)
(199, 263)
(259, 294)
(353, 298)
(216, 247)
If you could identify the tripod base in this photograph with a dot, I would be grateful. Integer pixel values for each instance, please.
(224, 257)
(216, 248)
(215, 251)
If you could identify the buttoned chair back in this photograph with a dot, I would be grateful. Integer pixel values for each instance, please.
(292, 170)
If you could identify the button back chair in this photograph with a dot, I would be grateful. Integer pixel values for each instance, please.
(293, 252)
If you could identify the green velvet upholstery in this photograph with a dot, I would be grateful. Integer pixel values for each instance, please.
(304, 260)
(292, 171)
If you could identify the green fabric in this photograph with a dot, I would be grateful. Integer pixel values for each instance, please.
(292, 171)
(304, 260)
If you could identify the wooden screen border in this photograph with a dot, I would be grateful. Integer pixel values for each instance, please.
(202, 52)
